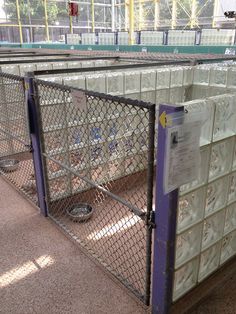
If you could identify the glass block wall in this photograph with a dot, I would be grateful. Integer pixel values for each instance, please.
(22, 69)
(151, 38)
(206, 227)
(181, 37)
(217, 36)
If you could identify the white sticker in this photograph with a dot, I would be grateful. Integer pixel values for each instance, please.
(79, 99)
(182, 160)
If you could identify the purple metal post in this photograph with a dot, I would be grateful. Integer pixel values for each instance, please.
(165, 232)
(35, 142)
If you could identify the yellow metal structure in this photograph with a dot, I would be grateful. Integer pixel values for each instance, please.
(216, 9)
(174, 14)
(46, 20)
(131, 22)
(19, 21)
(71, 24)
(194, 20)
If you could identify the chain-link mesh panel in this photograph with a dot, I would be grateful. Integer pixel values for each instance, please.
(16, 163)
(98, 154)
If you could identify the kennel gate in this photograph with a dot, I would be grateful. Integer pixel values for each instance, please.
(98, 149)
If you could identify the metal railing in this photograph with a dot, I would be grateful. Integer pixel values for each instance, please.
(98, 152)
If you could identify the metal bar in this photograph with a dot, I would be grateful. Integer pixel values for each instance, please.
(19, 21)
(131, 22)
(132, 208)
(156, 14)
(165, 232)
(71, 24)
(174, 14)
(46, 20)
(35, 136)
(194, 22)
(150, 184)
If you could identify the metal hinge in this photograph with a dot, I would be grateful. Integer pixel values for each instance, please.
(151, 220)
(30, 147)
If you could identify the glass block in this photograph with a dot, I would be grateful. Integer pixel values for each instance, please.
(148, 96)
(74, 64)
(96, 83)
(75, 81)
(115, 83)
(228, 248)
(225, 116)
(59, 65)
(176, 77)
(221, 158)
(205, 110)
(231, 79)
(163, 79)
(188, 245)
(148, 81)
(11, 69)
(216, 195)
(135, 96)
(203, 173)
(55, 169)
(191, 208)
(162, 96)
(201, 75)
(199, 92)
(59, 187)
(132, 82)
(209, 261)
(185, 278)
(79, 158)
(43, 66)
(25, 68)
(55, 142)
(213, 229)
(218, 76)
(53, 117)
(188, 76)
(176, 95)
(232, 188)
(230, 218)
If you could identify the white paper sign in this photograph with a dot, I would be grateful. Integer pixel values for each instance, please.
(182, 162)
(79, 99)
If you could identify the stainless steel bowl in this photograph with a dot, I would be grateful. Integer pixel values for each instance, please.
(80, 212)
(9, 165)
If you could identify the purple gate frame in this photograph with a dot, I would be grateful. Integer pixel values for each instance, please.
(165, 232)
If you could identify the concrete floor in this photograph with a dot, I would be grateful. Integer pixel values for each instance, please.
(41, 271)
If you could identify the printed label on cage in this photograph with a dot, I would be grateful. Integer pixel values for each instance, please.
(79, 99)
(182, 162)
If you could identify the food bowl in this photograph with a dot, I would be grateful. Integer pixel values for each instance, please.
(9, 165)
(80, 212)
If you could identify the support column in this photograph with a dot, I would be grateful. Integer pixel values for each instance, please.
(19, 21)
(157, 14)
(93, 17)
(113, 19)
(194, 19)
(215, 13)
(174, 14)
(71, 24)
(131, 22)
(46, 20)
